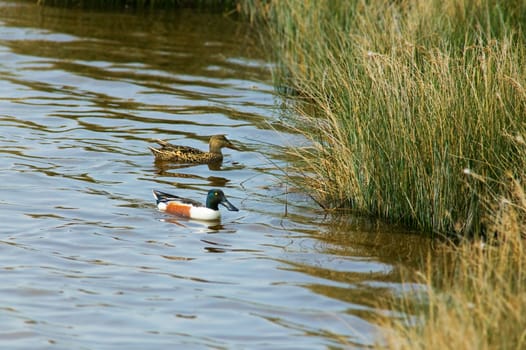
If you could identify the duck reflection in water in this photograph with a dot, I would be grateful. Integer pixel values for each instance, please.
(167, 169)
(164, 165)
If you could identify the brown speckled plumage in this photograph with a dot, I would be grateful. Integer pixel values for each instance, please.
(186, 154)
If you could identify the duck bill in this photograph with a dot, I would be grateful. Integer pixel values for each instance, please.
(228, 205)
(232, 146)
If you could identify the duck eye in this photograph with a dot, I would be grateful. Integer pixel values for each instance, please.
(216, 194)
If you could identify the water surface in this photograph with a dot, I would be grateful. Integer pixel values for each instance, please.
(88, 262)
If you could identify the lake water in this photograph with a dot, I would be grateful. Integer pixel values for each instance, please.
(88, 262)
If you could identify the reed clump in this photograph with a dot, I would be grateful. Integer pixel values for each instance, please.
(400, 99)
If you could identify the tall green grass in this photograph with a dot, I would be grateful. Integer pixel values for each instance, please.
(400, 99)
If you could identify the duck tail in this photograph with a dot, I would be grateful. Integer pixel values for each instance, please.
(159, 196)
(156, 152)
(163, 143)
(164, 197)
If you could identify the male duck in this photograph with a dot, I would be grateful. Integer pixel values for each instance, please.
(192, 209)
(186, 154)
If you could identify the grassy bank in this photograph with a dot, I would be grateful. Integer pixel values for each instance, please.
(475, 299)
(480, 309)
(416, 112)
(402, 99)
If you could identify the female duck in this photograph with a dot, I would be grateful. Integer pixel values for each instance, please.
(191, 209)
(186, 154)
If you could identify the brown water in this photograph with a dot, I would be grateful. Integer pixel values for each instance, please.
(87, 261)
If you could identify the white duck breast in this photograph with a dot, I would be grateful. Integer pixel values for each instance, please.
(203, 213)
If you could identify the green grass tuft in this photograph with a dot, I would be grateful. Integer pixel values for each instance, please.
(400, 99)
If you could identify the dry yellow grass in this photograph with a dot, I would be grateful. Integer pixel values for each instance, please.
(476, 296)
(480, 304)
